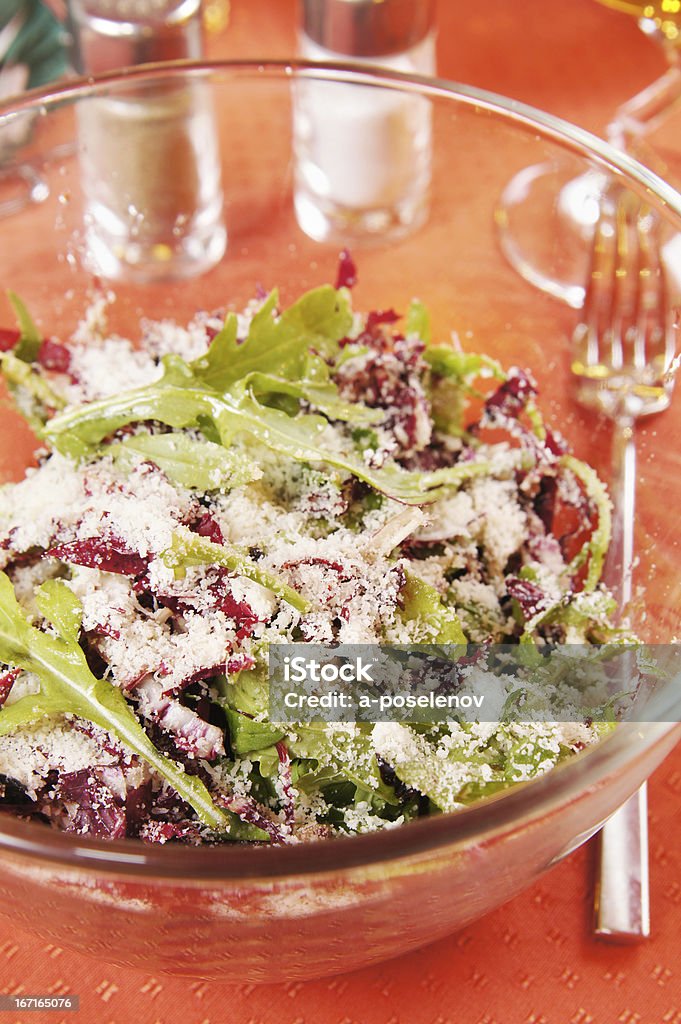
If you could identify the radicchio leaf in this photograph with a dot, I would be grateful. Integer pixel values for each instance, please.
(7, 681)
(511, 397)
(107, 554)
(346, 276)
(85, 805)
(531, 598)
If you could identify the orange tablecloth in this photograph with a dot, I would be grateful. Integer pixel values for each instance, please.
(533, 961)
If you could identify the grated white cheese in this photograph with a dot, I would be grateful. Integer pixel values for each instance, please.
(30, 754)
(502, 522)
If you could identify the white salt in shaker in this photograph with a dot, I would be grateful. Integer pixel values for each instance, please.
(363, 155)
(149, 155)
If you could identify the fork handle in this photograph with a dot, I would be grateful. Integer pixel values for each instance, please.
(622, 910)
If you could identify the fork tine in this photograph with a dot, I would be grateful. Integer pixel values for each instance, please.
(617, 329)
(647, 275)
(624, 345)
(598, 294)
(650, 312)
(656, 345)
(655, 297)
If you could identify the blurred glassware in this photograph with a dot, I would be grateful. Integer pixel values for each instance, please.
(661, 17)
(150, 167)
(363, 157)
(646, 126)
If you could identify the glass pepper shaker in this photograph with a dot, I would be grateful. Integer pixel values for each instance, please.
(363, 155)
(149, 154)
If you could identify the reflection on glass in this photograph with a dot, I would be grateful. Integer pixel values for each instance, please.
(565, 207)
(149, 157)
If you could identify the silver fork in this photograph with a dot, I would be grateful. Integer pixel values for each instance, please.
(623, 365)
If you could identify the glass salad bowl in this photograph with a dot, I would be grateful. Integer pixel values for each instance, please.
(186, 187)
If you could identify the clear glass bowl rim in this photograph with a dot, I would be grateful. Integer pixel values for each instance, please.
(570, 136)
(525, 802)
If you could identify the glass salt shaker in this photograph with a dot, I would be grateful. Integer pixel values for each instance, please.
(149, 153)
(363, 155)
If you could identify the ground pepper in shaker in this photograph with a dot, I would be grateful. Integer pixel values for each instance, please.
(363, 155)
(149, 154)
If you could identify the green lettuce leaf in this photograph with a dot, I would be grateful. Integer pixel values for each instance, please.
(454, 374)
(337, 755)
(430, 619)
(247, 690)
(246, 734)
(464, 367)
(423, 770)
(188, 461)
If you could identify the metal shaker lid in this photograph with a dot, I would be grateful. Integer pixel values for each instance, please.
(367, 28)
(108, 34)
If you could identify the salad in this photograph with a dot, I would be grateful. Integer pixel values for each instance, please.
(281, 475)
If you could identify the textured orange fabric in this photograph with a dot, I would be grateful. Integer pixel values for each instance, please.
(533, 961)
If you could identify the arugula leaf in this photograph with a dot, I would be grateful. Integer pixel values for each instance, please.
(67, 686)
(281, 345)
(34, 397)
(189, 548)
(60, 607)
(596, 547)
(287, 354)
(31, 339)
(298, 437)
(212, 369)
(219, 393)
(418, 321)
(188, 461)
(318, 390)
(77, 432)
